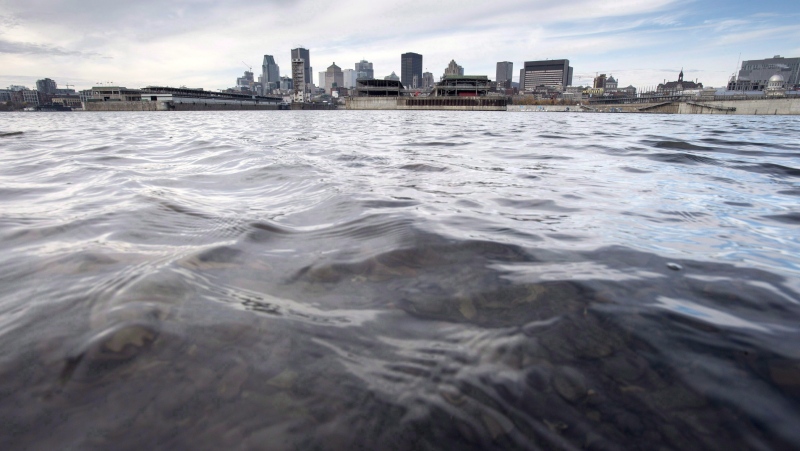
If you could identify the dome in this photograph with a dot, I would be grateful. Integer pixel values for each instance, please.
(776, 77)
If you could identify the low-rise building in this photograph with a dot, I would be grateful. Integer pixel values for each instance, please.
(115, 94)
(463, 86)
(679, 86)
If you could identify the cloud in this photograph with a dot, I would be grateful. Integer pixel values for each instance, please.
(29, 48)
(203, 42)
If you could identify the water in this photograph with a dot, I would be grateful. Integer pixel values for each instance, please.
(398, 280)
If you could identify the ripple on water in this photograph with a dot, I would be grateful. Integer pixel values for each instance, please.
(206, 281)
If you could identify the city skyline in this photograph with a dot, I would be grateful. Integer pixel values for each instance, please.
(200, 44)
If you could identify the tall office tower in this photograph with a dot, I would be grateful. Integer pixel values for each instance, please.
(504, 73)
(453, 69)
(305, 55)
(270, 75)
(553, 73)
(46, 86)
(323, 82)
(298, 80)
(364, 70)
(410, 65)
(334, 78)
(427, 80)
(349, 78)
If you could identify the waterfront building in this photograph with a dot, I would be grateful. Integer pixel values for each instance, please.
(410, 65)
(427, 81)
(611, 83)
(392, 76)
(504, 74)
(453, 69)
(334, 78)
(286, 83)
(299, 86)
(388, 87)
(550, 73)
(776, 86)
(46, 86)
(30, 96)
(5, 95)
(755, 74)
(364, 70)
(270, 75)
(305, 55)
(115, 94)
(678, 86)
(463, 86)
(72, 101)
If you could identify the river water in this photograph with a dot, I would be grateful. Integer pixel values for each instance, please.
(399, 280)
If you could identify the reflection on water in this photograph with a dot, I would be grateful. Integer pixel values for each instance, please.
(398, 280)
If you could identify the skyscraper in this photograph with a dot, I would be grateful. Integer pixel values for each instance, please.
(305, 55)
(364, 70)
(334, 78)
(504, 73)
(270, 75)
(349, 78)
(553, 73)
(410, 65)
(298, 80)
(453, 69)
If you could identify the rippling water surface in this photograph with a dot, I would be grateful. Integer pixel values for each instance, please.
(399, 280)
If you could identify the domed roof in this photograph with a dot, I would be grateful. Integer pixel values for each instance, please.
(777, 77)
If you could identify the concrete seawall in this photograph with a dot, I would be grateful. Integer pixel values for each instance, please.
(175, 106)
(426, 103)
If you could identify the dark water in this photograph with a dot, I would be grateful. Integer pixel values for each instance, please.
(399, 280)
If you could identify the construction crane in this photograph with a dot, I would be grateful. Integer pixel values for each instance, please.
(249, 67)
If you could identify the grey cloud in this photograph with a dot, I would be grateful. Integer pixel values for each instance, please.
(29, 48)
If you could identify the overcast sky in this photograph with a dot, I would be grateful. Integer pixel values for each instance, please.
(202, 43)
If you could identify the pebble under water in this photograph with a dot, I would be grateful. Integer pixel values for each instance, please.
(399, 280)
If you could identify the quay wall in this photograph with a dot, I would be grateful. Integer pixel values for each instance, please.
(175, 106)
(120, 106)
(371, 103)
(423, 103)
(759, 107)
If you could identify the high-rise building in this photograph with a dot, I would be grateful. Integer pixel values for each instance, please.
(427, 80)
(245, 81)
(323, 82)
(46, 86)
(349, 78)
(410, 65)
(334, 78)
(599, 81)
(552, 73)
(364, 70)
(305, 55)
(270, 75)
(453, 69)
(298, 80)
(504, 73)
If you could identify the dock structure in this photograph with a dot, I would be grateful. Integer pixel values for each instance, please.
(463, 86)
(164, 98)
(455, 92)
